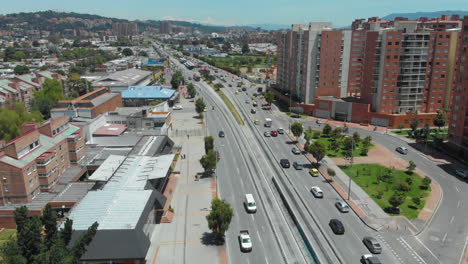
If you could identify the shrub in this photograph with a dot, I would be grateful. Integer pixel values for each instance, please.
(403, 186)
(409, 180)
(316, 135)
(331, 172)
(427, 180)
(416, 200)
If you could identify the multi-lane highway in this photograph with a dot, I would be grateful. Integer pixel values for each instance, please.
(251, 160)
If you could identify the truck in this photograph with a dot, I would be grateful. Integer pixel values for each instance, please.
(268, 122)
(244, 241)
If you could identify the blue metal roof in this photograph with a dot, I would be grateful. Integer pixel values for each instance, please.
(148, 92)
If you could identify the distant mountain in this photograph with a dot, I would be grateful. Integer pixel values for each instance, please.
(269, 26)
(417, 15)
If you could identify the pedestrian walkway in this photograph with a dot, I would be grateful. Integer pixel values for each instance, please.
(185, 238)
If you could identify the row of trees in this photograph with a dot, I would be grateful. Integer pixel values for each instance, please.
(39, 241)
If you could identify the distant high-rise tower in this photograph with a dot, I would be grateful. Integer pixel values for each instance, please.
(125, 29)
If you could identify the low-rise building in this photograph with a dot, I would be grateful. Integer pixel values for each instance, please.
(120, 81)
(89, 105)
(144, 95)
(33, 161)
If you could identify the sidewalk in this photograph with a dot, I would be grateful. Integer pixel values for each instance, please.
(185, 238)
(363, 205)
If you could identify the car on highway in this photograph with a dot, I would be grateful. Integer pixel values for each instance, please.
(274, 133)
(250, 204)
(267, 134)
(336, 226)
(285, 163)
(342, 206)
(221, 133)
(298, 165)
(280, 130)
(177, 107)
(314, 172)
(244, 241)
(369, 259)
(253, 111)
(230, 85)
(256, 121)
(462, 174)
(372, 244)
(402, 150)
(316, 191)
(247, 101)
(296, 150)
(244, 89)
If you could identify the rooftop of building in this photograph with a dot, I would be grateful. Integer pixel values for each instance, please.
(91, 99)
(110, 130)
(147, 92)
(121, 201)
(122, 78)
(45, 143)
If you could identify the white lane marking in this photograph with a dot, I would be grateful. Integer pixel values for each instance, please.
(420, 242)
(258, 235)
(237, 169)
(458, 204)
(445, 237)
(456, 188)
(464, 250)
(412, 251)
(451, 219)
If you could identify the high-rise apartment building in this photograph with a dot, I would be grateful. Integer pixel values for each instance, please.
(398, 67)
(33, 162)
(458, 129)
(125, 29)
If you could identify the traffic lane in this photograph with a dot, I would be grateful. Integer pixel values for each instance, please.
(258, 222)
(231, 179)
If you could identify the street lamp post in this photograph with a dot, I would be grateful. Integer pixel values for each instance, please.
(351, 168)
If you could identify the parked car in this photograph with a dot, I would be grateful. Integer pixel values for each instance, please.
(402, 150)
(267, 134)
(177, 107)
(462, 174)
(274, 133)
(247, 101)
(285, 163)
(314, 172)
(244, 89)
(256, 121)
(342, 206)
(230, 85)
(296, 150)
(316, 191)
(336, 226)
(253, 111)
(369, 259)
(298, 165)
(318, 121)
(372, 244)
(280, 130)
(221, 133)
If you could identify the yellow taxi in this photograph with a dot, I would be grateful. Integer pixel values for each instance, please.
(314, 172)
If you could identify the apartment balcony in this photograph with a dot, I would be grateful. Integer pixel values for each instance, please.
(409, 103)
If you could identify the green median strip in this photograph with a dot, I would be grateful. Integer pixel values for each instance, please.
(231, 107)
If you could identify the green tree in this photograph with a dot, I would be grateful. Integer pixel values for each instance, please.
(403, 186)
(19, 55)
(30, 240)
(336, 134)
(127, 52)
(414, 124)
(48, 97)
(11, 253)
(326, 130)
(226, 47)
(200, 106)
(35, 44)
(440, 119)
(356, 137)
(209, 144)
(21, 218)
(426, 180)
(245, 48)
(397, 199)
(143, 53)
(208, 161)
(219, 217)
(269, 97)
(9, 124)
(367, 141)
(191, 90)
(79, 248)
(218, 86)
(66, 232)
(297, 129)
(21, 69)
(49, 221)
(334, 145)
(177, 79)
(411, 166)
(318, 150)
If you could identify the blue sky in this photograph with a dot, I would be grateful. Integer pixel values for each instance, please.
(230, 12)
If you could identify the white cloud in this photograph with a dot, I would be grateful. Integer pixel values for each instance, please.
(208, 20)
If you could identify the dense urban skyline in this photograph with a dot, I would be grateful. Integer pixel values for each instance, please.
(238, 12)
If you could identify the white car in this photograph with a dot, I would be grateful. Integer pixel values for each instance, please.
(369, 259)
(280, 130)
(245, 241)
(177, 107)
(267, 134)
(317, 192)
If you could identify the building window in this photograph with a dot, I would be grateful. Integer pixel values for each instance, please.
(4, 176)
(6, 186)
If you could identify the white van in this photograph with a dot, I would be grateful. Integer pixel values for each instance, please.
(249, 203)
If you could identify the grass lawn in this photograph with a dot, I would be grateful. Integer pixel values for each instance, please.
(365, 175)
(442, 133)
(302, 116)
(231, 107)
(340, 152)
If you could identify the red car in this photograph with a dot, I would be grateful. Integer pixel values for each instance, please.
(274, 133)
